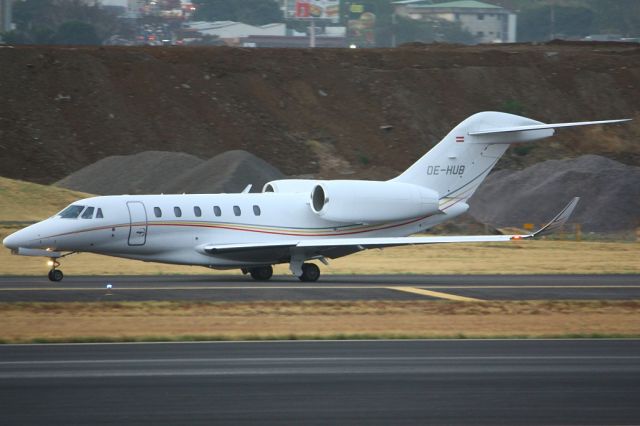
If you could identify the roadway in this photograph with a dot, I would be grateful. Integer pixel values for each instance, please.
(330, 287)
(470, 382)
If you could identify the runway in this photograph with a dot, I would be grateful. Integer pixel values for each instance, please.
(330, 287)
(471, 382)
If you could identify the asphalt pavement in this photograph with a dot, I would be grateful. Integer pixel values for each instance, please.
(466, 382)
(330, 287)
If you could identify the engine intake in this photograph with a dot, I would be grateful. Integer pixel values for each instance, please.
(290, 185)
(372, 201)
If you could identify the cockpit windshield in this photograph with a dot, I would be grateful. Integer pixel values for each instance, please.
(88, 213)
(71, 212)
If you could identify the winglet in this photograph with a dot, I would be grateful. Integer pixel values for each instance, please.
(557, 222)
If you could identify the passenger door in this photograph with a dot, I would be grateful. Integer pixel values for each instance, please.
(137, 223)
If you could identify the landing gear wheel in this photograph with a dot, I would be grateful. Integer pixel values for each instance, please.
(262, 273)
(55, 275)
(310, 272)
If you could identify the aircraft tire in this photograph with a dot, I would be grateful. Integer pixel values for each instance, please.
(262, 273)
(55, 275)
(310, 272)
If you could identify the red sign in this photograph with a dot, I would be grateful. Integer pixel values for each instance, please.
(303, 9)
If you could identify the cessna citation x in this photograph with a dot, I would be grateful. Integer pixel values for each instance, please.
(292, 221)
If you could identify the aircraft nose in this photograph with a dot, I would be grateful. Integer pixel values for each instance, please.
(12, 241)
(23, 238)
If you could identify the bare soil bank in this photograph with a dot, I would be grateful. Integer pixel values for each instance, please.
(305, 111)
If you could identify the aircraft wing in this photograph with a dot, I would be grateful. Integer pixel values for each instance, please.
(358, 243)
(335, 247)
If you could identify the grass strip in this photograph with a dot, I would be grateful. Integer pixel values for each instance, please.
(323, 307)
(69, 322)
(305, 337)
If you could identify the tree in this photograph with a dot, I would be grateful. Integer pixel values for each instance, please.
(437, 30)
(76, 32)
(617, 17)
(574, 18)
(541, 23)
(254, 12)
(40, 21)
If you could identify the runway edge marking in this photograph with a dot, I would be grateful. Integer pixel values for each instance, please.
(436, 294)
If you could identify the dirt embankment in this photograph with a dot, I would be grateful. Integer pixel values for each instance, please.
(305, 111)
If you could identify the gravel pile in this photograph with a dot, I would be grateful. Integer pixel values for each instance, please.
(154, 172)
(609, 191)
(140, 173)
(228, 172)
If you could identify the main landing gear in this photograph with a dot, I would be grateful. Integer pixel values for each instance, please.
(55, 274)
(309, 272)
(261, 273)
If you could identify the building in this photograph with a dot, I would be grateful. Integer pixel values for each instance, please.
(327, 10)
(232, 32)
(300, 42)
(486, 22)
(5, 16)
(135, 7)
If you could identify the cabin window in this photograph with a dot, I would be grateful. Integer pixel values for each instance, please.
(88, 213)
(217, 211)
(157, 211)
(71, 212)
(177, 211)
(256, 210)
(197, 211)
(99, 214)
(480, 17)
(236, 211)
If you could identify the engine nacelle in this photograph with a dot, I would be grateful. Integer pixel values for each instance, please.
(290, 185)
(371, 201)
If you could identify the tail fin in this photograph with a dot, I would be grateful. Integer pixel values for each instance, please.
(458, 164)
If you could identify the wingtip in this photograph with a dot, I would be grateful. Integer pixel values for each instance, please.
(559, 220)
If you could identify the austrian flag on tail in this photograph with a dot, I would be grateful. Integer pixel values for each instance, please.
(459, 138)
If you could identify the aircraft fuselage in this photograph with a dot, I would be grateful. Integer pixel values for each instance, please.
(171, 228)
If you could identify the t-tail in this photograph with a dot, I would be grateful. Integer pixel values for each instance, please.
(457, 165)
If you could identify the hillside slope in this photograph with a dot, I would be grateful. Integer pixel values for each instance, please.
(26, 201)
(301, 110)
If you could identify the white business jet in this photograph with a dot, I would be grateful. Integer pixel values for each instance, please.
(296, 220)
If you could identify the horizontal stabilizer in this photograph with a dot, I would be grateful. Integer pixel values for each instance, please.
(511, 129)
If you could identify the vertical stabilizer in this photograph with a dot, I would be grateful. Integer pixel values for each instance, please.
(457, 165)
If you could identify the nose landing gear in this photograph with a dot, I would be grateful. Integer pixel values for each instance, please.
(55, 274)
